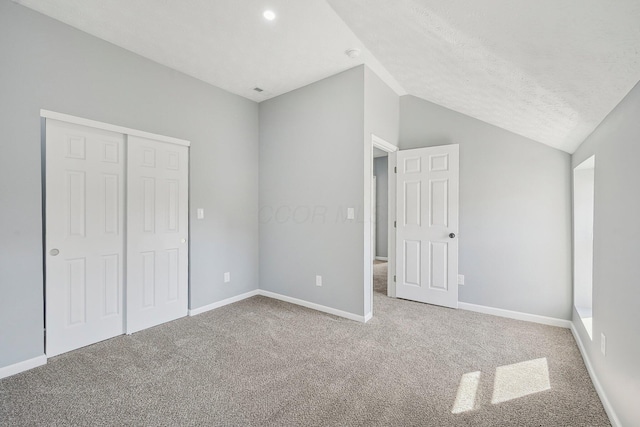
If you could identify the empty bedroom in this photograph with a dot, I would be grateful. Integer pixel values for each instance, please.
(319, 212)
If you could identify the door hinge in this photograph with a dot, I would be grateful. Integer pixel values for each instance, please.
(394, 278)
(394, 225)
(395, 169)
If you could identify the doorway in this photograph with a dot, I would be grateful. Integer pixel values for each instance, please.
(422, 224)
(378, 233)
(380, 221)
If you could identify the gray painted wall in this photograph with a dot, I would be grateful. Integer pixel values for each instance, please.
(381, 109)
(46, 64)
(380, 165)
(303, 226)
(616, 287)
(515, 213)
(303, 203)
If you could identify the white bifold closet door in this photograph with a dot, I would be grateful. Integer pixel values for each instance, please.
(84, 236)
(116, 234)
(157, 230)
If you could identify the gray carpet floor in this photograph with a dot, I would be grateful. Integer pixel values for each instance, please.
(266, 362)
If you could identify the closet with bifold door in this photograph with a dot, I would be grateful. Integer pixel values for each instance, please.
(116, 228)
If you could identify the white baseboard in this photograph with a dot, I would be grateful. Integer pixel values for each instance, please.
(615, 421)
(552, 321)
(222, 303)
(280, 297)
(368, 317)
(382, 258)
(25, 365)
(313, 306)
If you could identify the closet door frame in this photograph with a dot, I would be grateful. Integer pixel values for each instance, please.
(113, 128)
(126, 132)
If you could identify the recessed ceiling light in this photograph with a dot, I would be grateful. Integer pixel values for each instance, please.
(269, 15)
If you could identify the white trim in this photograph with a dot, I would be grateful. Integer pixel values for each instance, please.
(551, 321)
(368, 316)
(280, 297)
(312, 306)
(613, 417)
(222, 303)
(382, 258)
(25, 365)
(112, 128)
(367, 226)
(382, 144)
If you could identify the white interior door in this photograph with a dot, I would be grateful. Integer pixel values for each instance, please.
(427, 225)
(157, 230)
(84, 236)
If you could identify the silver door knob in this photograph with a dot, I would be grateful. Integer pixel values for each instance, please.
(183, 240)
(452, 235)
(54, 252)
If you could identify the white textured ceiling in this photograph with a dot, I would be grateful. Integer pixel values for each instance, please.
(550, 70)
(227, 43)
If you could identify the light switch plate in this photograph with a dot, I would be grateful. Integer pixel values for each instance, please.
(227, 277)
(460, 279)
(351, 213)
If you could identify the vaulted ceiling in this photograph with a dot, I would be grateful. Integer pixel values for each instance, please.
(546, 69)
(549, 70)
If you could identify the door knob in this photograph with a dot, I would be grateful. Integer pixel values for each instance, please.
(452, 235)
(183, 240)
(54, 252)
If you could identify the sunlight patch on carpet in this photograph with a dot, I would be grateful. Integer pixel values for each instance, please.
(466, 396)
(520, 379)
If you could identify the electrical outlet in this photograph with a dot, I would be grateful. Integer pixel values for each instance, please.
(200, 213)
(460, 279)
(318, 280)
(227, 277)
(603, 344)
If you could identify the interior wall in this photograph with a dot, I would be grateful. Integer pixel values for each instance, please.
(49, 65)
(381, 109)
(515, 210)
(382, 204)
(616, 241)
(304, 230)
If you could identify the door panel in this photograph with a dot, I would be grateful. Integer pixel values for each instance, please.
(157, 227)
(111, 285)
(438, 265)
(412, 204)
(427, 209)
(84, 236)
(412, 261)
